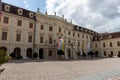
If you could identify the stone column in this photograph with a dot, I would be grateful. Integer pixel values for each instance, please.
(66, 53)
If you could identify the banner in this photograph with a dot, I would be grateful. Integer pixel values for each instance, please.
(88, 47)
(61, 44)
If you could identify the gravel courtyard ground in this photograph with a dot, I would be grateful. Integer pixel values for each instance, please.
(62, 70)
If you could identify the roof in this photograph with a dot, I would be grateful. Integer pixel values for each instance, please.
(105, 36)
(85, 30)
(110, 35)
(14, 10)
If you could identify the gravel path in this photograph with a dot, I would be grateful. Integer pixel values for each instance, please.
(59, 70)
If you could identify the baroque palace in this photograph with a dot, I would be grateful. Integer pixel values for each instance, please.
(26, 32)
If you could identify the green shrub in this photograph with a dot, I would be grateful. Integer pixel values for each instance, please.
(19, 57)
(3, 57)
(35, 55)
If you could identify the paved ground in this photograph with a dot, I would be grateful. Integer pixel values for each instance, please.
(83, 69)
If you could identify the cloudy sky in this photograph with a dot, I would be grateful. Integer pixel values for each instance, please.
(98, 15)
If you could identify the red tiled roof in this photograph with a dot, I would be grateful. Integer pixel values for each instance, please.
(110, 35)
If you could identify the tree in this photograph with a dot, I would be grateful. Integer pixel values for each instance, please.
(3, 58)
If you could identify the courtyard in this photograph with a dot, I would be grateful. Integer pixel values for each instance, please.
(82, 69)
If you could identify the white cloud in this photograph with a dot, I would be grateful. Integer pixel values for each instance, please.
(26, 4)
(99, 15)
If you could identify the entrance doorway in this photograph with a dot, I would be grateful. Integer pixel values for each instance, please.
(69, 53)
(41, 53)
(17, 52)
(29, 53)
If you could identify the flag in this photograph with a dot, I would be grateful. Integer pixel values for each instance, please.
(61, 44)
(88, 47)
(0, 9)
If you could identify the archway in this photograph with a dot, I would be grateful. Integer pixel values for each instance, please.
(41, 53)
(29, 53)
(17, 52)
(69, 53)
(3, 48)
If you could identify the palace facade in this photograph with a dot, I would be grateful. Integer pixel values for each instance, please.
(26, 32)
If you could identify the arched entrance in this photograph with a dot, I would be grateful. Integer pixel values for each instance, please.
(17, 52)
(69, 53)
(41, 53)
(3, 48)
(29, 53)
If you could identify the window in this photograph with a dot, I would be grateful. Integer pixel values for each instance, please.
(118, 43)
(6, 20)
(65, 31)
(41, 39)
(20, 11)
(87, 37)
(50, 28)
(104, 45)
(73, 34)
(19, 23)
(18, 37)
(110, 44)
(78, 44)
(59, 29)
(69, 41)
(104, 53)
(4, 35)
(31, 15)
(96, 45)
(50, 53)
(7, 8)
(111, 52)
(50, 40)
(78, 35)
(68, 32)
(82, 36)
(42, 27)
(30, 38)
(90, 38)
(31, 25)
(118, 52)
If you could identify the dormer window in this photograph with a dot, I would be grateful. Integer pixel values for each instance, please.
(31, 15)
(7, 8)
(81, 29)
(89, 31)
(20, 11)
